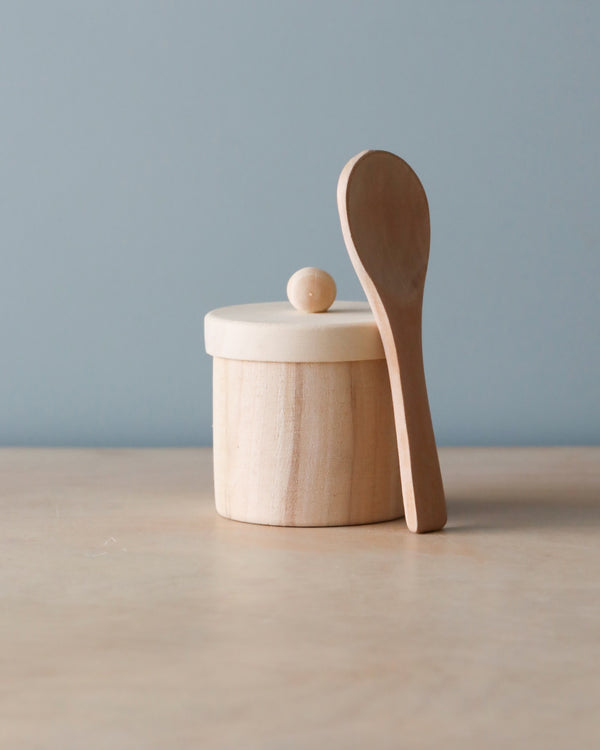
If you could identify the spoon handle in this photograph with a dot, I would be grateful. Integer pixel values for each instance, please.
(420, 475)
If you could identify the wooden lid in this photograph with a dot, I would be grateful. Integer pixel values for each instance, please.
(277, 332)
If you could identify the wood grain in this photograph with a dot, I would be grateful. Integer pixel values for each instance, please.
(304, 444)
(385, 222)
(134, 617)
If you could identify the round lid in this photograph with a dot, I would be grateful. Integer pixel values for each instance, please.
(311, 329)
(277, 332)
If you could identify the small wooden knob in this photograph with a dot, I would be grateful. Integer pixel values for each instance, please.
(311, 290)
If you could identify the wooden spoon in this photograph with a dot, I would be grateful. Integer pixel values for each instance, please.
(385, 223)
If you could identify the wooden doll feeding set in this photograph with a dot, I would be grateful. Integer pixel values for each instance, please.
(320, 408)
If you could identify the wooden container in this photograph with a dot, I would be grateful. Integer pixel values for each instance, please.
(303, 424)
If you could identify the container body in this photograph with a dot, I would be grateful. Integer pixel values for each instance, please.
(304, 443)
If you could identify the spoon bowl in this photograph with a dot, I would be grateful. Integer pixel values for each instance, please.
(387, 216)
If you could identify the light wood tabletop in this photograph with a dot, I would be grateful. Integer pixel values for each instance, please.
(132, 616)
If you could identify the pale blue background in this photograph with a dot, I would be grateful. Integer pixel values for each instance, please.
(162, 159)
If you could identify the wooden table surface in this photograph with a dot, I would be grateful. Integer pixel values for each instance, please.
(132, 616)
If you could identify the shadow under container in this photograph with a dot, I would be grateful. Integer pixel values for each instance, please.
(303, 423)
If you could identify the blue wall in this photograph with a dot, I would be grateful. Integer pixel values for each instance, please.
(162, 159)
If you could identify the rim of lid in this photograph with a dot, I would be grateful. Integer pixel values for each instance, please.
(277, 332)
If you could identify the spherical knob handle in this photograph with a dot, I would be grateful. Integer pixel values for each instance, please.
(311, 290)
